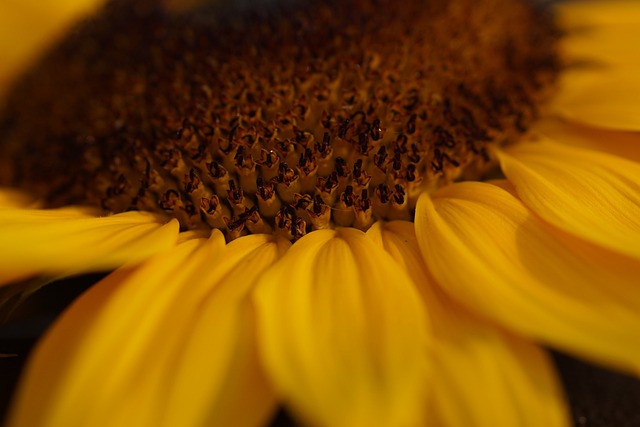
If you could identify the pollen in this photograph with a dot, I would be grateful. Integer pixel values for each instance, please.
(285, 119)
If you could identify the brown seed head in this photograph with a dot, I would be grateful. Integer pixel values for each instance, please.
(327, 113)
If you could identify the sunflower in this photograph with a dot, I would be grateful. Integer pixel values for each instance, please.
(369, 214)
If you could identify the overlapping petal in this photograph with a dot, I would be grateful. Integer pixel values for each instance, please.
(482, 376)
(496, 257)
(588, 193)
(343, 333)
(169, 343)
(73, 240)
(219, 380)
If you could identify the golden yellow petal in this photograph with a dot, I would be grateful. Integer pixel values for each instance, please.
(497, 258)
(27, 27)
(218, 379)
(482, 376)
(133, 349)
(613, 45)
(69, 241)
(596, 13)
(618, 271)
(343, 333)
(591, 194)
(619, 143)
(600, 96)
(69, 375)
(601, 31)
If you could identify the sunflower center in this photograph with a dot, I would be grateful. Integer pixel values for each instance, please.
(287, 119)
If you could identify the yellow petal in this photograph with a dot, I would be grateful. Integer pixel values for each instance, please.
(343, 333)
(27, 27)
(596, 13)
(493, 255)
(71, 240)
(605, 266)
(604, 31)
(482, 376)
(613, 45)
(591, 194)
(622, 144)
(218, 379)
(598, 96)
(132, 350)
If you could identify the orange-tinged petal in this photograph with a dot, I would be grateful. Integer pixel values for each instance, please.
(596, 13)
(221, 344)
(69, 375)
(71, 240)
(607, 97)
(496, 257)
(604, 31)
(591, 194)
(619, 143)
(27, 27)
(343, 333)
(78, 369)
(473, 358)
(131, 351)
(612, 45)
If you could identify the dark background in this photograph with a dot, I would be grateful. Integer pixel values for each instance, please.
(598, 397)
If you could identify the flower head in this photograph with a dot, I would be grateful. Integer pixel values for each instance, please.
(368, 213)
